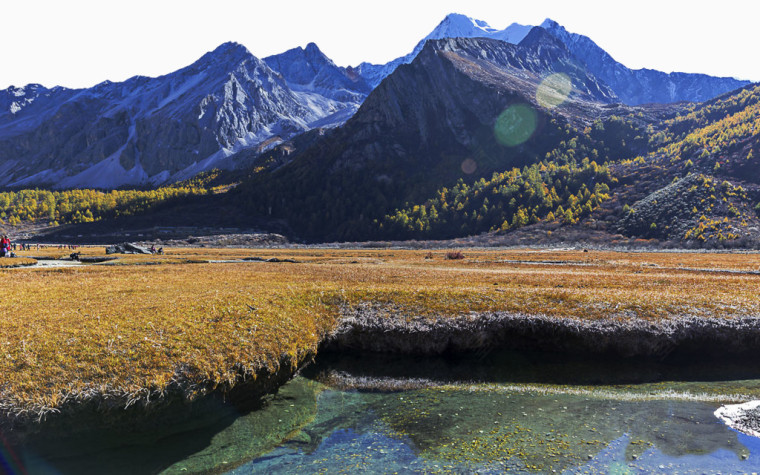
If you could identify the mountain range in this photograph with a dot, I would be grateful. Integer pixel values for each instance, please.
(633, 87)
(460, 99)
(151, 131)
(477, 136)
(528, 134)
(148, 131)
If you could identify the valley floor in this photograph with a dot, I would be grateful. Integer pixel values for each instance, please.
(144, 329)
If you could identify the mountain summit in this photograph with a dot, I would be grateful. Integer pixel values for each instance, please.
(229, 53)
(454, 25)
(309, 69)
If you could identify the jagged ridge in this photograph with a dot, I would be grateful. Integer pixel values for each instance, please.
(154, 130)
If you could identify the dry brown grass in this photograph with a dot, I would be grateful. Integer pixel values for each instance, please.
(66, 333)
(124, 329)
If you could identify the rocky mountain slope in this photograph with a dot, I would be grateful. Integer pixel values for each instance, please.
(487, 141)
(633, 87)
(454, 25)
(688, 176)
(462, 107)
(701, 182)
(475, 136)
(308, 69)
(640, 86)
(147, 131)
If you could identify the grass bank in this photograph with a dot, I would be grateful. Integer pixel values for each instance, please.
(122, 333)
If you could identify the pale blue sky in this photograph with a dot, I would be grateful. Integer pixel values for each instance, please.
(78, 43)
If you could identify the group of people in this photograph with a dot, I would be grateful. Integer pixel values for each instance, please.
(7, 247)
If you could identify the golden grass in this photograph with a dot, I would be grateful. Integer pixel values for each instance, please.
(121, 330)
(126, 329)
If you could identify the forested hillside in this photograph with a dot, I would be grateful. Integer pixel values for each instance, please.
(84, 206)
(507, 201)
(701, 182)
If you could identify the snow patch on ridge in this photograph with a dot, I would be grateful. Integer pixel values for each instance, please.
(106, 174)
(335, 119)
(514, 33)
(184, 87)
(455, 25)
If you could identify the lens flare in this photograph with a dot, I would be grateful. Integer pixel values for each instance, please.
(554, 90)
(469, 166)
(515, 125)
(9, 460)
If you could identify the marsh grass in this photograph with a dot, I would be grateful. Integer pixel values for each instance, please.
(129, 333)
(134, 332)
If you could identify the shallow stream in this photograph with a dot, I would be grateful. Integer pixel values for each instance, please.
(486, 413)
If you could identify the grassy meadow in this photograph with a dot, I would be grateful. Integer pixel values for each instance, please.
(130, 329)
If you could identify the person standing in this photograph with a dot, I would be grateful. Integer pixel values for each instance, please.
(5, 246)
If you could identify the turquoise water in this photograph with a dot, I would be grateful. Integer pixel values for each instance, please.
(493, 431)
(506, 413)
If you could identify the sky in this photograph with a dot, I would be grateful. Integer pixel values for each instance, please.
(79, 43)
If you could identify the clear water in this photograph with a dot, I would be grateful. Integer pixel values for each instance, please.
(537, 414)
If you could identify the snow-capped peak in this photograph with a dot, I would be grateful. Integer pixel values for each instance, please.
(550, 24)
(456, 25)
